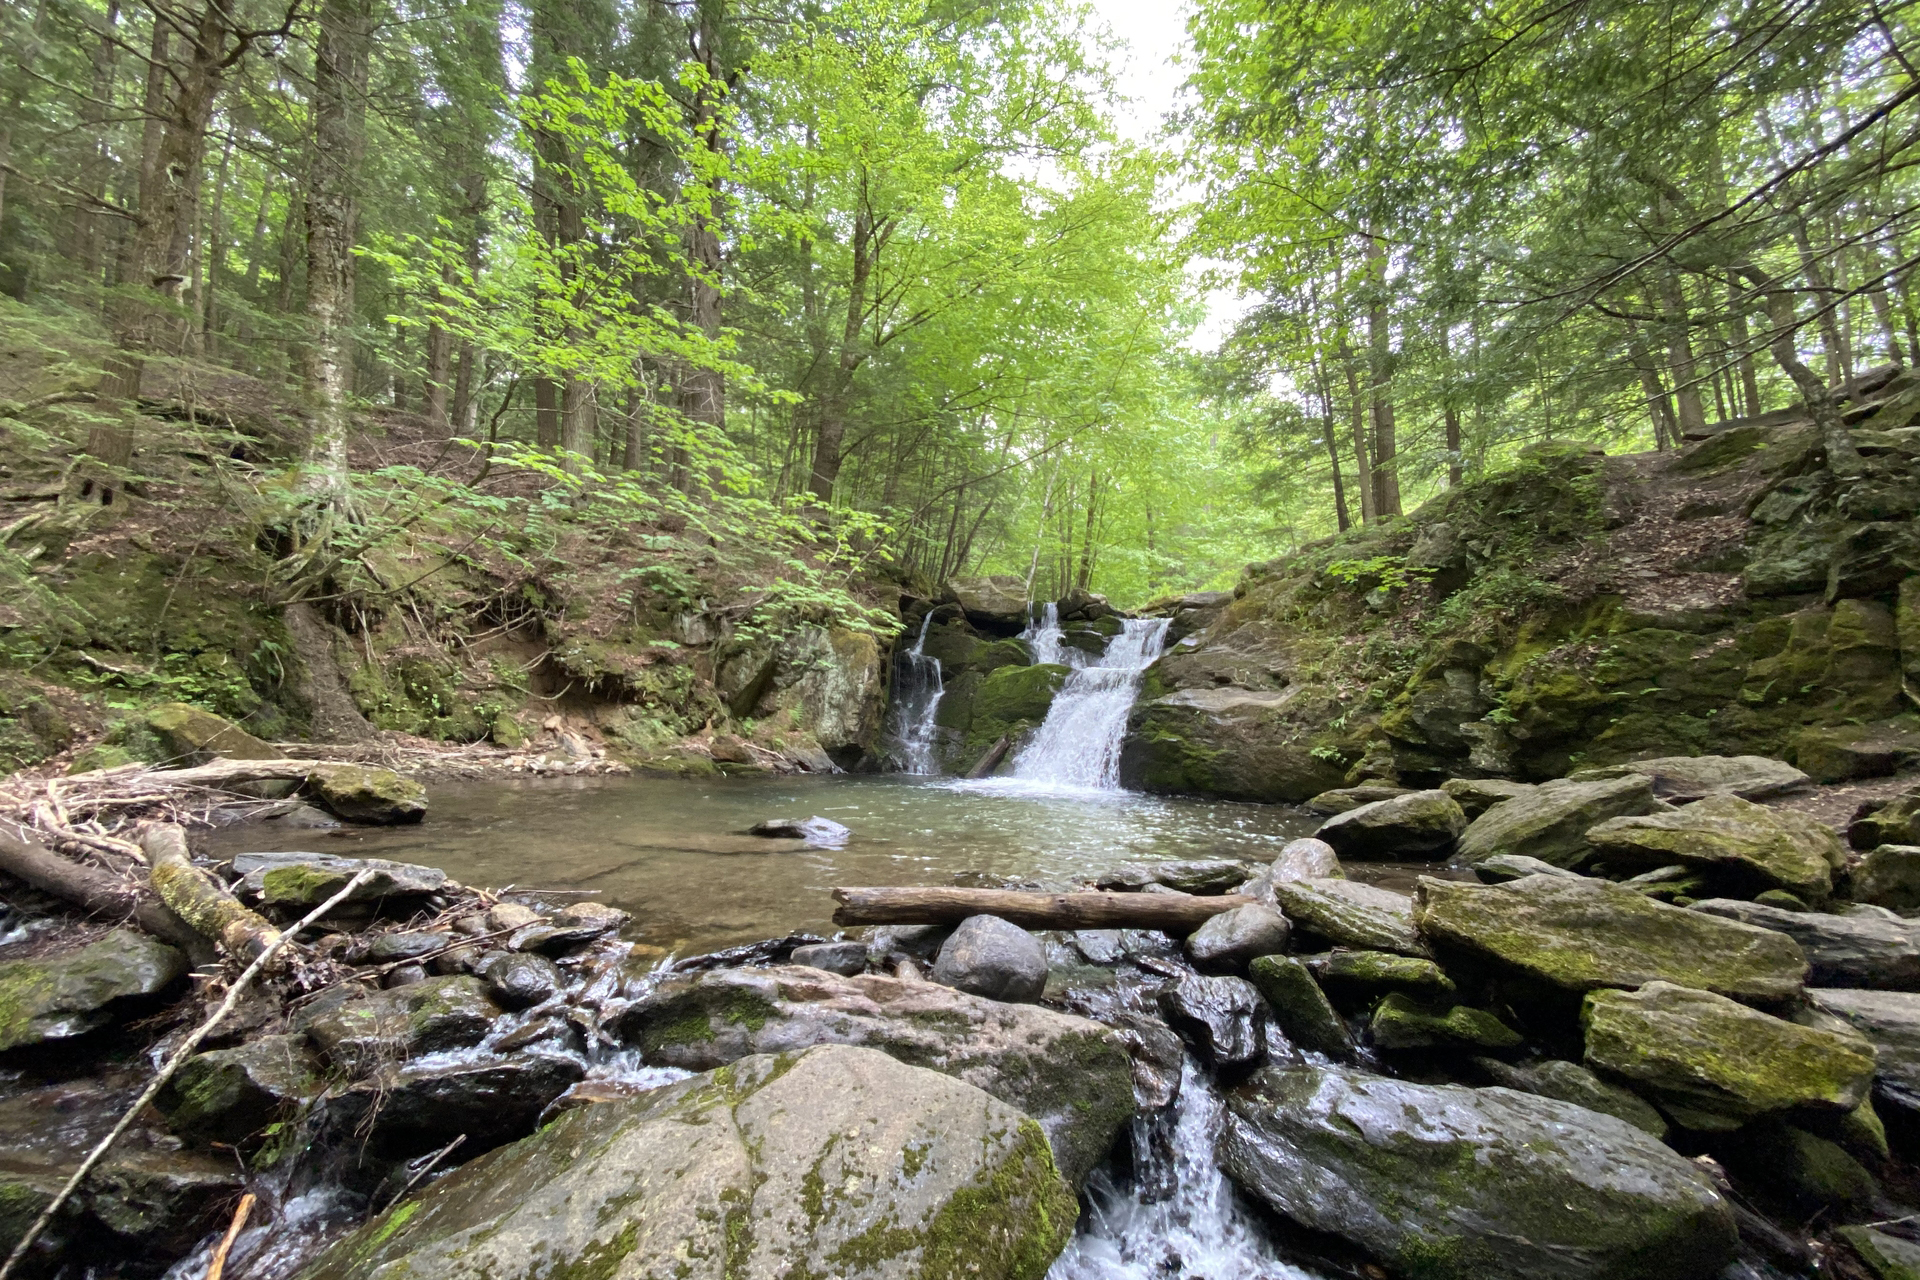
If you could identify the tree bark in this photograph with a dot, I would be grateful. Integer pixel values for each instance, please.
(1692, 411)
(191, 894)
(703, 393)
(1380, 362)
(833, 405)
(1843, 459)
(1356, 413)
(1175, 913)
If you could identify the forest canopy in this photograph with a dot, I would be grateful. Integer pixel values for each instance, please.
(884, 282)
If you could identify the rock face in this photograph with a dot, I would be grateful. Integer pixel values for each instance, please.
(379, 797)
(1239, 743)
(54, 997)
(1861, 949)
(1420, 824)
(987, 956)
(1891, 1023)
(843, 694)
(1750, 845)
(1583, 934)
(1070, 1074)
(1238, 936)
(1716, 1064)
(1692, 777)
(309, 879)
(1551, 822)
(1473, 1184)
(1350, 914)
(837, 1161)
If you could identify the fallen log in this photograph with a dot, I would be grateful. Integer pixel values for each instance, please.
(212, 912)
(1175, 913)
(990, 761)
(28, 860)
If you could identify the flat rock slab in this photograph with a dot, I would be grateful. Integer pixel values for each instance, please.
(309, 879)
(1890, 1020)
(1551, 821)
(1071, 1074)
(1583, 934)
(1755, 847)
(1716, 1064)
(1862, 949)
(69, 993)
(1691, 777)
(1348, 913)
(1450, 1183)
(837, 1161)
(1414, 826)
(1188, 875)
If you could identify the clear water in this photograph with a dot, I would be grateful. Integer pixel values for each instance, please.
(675, 853)
(918, 687)
(1077, 747)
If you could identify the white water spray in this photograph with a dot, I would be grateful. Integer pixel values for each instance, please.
(1179, 1221)
(916, 701)
(1046, 639)
(1078, 745)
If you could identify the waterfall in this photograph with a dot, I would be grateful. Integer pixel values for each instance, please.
(1179, 1219)
(1078, 745)
(917, 691)
(1044, 637)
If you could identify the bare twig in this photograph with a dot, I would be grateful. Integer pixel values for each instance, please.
(234, 1228)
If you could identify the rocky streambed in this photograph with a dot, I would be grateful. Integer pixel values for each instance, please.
(1667, 1029)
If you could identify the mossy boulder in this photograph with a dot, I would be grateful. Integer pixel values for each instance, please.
(1300, 1007)
(1551, 822)
(1449, 1183)
(1749, 846)
(1011, 694)
(1401, 1022)
(1571, 1082)
(309, 879)
(1577, 935)
(140, 1208)
(835, 1161)
(1411, 827)
(229, 1095)
(1348, 913)
(1897, 821)
(1888, 1257)
(1890, 1022)
(377, 797)
(190, 735)
(1715, 1064)
(1683, 778)
(1241, 743)
(403, 1111)
(361, 1031)
(1364, 975)
(69, 993)
(1814, 1172)
(1888, 876)
(1070, 1074)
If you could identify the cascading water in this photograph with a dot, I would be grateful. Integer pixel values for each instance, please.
(918, 689)
(1179, 1218)
(1046, 639)
(1078, 745)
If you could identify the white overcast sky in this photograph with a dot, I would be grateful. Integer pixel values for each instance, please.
(1150, 72)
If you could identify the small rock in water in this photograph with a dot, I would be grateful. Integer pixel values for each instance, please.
(822, 833)
(845, 958)
(511, 915)
(1237, 936)
(516, 980)
(987, 956)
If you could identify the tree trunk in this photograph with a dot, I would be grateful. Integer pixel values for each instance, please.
(333, 179)
(833, 405)
(1749, 376)
(1380, 361)
(1843, 459)
(1357, 421)
(703, 391)
(1450, 412)
(1659, 408)
(1176, 913)
(1333, 452)
(439, 371)
(85, 246)
(1686, 374)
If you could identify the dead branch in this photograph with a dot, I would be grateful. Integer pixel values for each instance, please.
(26, 859)
(1175, 913)
(192, 894)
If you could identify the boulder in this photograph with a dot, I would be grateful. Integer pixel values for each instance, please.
(1551, 822)
(1578, 935)
(821, 833)
(1235, 937)
(1714, 1063)
(1477, 795)
(1300, 1007)
(1571, 1082)
(836, 1161)
(1888, 1257)
(1684, 778)
(1341, 799)
(1897, 821)
(1861, 949)
(1890, 1021)
(1070, 1074)
(987, 956)
(421, 1106)
(1218, 1016)
(148, 1204)
(1416, 826)
(1189, 875)
(1351, 914)
(1237, 743)
(1367, 974)
(1844, 753)
(360, 1032)
(997, 602)
(1401, 1022)
(1889, 876)
(516, 980)
(1502, 867)
(843, 693)
(844, 958)
(1815, 1172)
(377, 797)
(308, 879)
(191, 736)
(69, 993)
(228, 1095)
(1304, 859)
(1448, 1183)
(1749, 845)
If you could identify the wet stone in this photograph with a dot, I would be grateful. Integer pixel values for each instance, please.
(516, 981)
(1218, 1016)
(309, 879)
(69, 993)
(987, 956)
(1235, 937)
(845, 958)
(1300, 1007)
